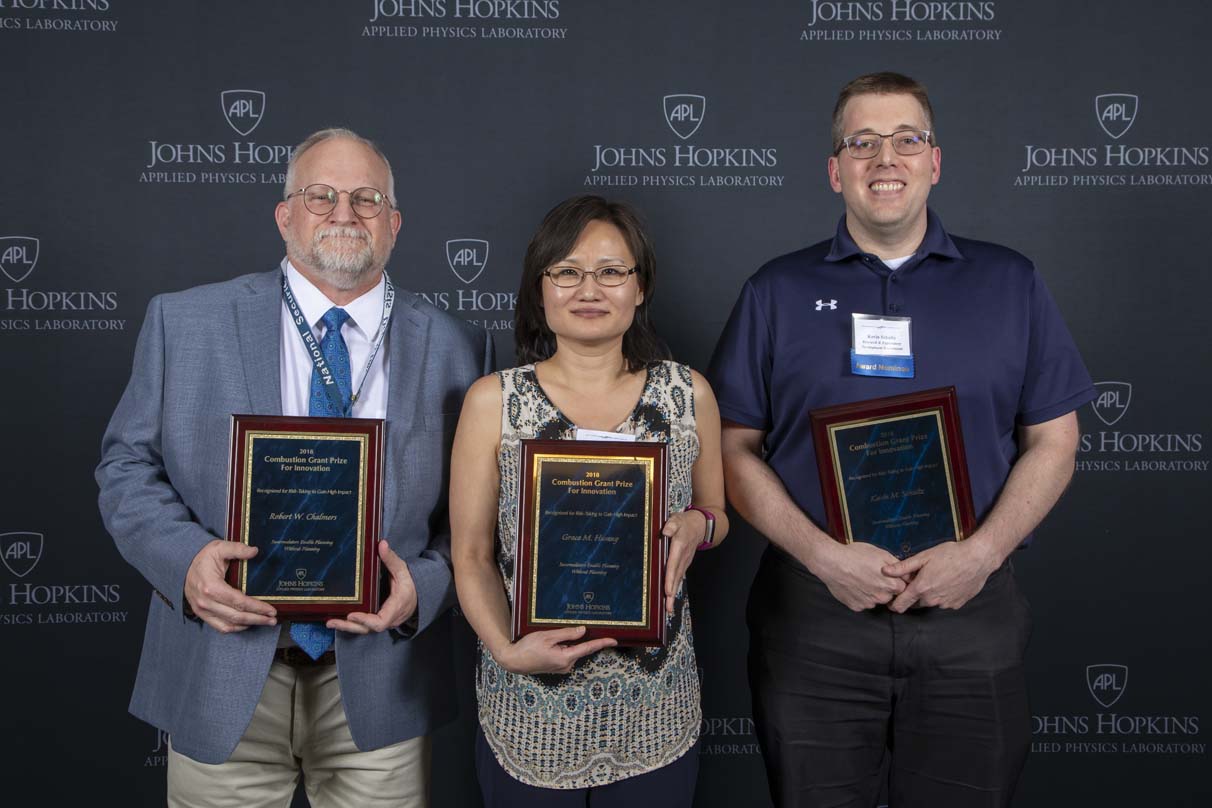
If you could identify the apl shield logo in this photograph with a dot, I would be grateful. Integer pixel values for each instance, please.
(18, 256)
(243, 109)
(300, 573)
(684, 113)
(588, 596)
(1106, 683)
(1116, 112)
(20, 551)
(1111, 403)
(467, 257)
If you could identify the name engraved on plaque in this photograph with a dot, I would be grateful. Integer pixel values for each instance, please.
(896, 481)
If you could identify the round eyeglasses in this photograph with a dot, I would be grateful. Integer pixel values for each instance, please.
(320, 199)
(905, 142)
(567, 277)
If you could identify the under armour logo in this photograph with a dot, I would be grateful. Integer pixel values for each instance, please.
(826, 304)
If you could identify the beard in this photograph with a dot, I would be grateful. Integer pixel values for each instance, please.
(342, 255)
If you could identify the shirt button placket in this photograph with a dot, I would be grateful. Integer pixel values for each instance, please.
(892, 288)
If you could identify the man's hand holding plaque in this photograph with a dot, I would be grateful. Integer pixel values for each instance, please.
(305, 494)
(218, 604)
(894, 474)
(399, 605)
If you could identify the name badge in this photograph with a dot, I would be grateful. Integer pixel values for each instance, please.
(881, 346)
(595, 434)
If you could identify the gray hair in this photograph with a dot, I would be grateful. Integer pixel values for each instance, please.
(316, 138)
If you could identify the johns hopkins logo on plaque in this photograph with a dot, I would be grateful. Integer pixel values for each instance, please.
(1106, 682)
(467, 257)
(1112, 401)
(1116, 112)
(684, 113)
(243, 109)
(20, 551)
(18, 257)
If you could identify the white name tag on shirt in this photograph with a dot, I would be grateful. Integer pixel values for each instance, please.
(881, 346)
(881, 336)
(597, 434)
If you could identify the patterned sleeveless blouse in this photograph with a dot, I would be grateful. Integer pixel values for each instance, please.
(621, 711)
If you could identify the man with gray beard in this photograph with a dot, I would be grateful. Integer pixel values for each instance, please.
(251, 702)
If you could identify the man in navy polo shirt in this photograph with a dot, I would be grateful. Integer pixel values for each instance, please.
(860, 661)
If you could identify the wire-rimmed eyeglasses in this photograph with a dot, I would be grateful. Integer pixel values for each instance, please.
(905, 142)
(570, 276)
(320, 199)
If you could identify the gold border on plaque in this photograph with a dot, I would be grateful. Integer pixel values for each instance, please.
(868, 422)
(359, 531)
(536, 473)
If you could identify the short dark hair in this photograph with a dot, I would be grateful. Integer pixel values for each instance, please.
(880, 84)
(555, 238)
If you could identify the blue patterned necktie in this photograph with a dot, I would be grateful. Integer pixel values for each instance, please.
(314, 638)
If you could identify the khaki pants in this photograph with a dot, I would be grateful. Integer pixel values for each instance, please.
(298, 727)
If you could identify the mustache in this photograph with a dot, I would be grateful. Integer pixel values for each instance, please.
(341, 231)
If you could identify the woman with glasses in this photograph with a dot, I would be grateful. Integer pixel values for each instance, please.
(561, 716)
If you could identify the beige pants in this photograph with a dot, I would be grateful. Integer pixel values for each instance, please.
(299, 726)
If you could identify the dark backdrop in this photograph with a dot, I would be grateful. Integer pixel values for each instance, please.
(143, 149)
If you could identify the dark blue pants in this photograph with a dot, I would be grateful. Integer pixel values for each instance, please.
(935, 698)
(670, 786)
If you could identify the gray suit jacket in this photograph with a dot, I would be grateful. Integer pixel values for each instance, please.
(202, 355)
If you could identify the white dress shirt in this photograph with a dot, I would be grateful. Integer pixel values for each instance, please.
(365, 314)
(359, 332)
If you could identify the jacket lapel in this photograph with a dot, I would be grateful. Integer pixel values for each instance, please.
(408, 343)
(259, 330)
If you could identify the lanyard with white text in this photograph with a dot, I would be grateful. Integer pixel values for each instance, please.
(317, 356)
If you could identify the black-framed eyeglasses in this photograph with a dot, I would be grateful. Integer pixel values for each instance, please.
(320, 199)
(905, 142)
(567, 277)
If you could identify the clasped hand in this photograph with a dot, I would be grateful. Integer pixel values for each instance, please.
(863, 576)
